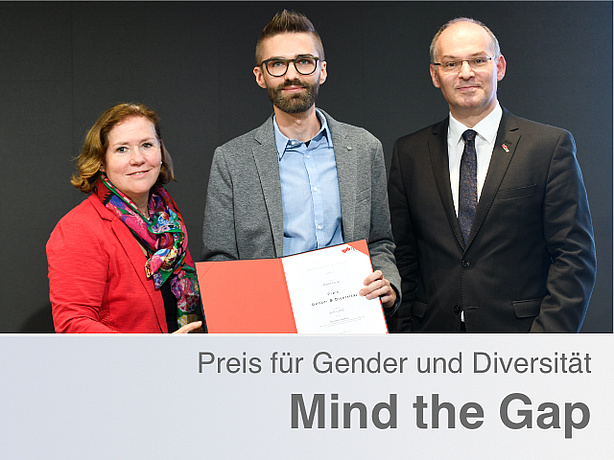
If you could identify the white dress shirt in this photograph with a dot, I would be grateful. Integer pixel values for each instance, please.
(485, 139)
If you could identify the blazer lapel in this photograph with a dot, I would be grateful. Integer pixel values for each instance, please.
(505, 146)
(346, 159)
(438, 150)
(135, 255)
(267, 166)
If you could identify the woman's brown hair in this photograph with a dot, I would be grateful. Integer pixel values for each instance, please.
(95, 146)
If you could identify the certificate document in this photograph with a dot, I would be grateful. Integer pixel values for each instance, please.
(323, 286)
(310, 293)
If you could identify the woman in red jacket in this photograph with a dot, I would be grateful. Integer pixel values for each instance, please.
(119, 261)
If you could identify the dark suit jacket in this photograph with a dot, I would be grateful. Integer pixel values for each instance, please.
(529, 264)
(244, 214)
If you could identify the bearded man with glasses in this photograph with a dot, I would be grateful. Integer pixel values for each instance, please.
(302, 180)
(489, 211)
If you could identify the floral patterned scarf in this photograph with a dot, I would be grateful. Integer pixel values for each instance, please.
(164, 237)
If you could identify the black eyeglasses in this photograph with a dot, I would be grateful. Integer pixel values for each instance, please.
(277, 67)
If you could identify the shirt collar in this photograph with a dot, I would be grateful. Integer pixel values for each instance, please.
(486, 128)
(282, 142)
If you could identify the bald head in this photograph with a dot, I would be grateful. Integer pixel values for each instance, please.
(467, 66)
(495, 48)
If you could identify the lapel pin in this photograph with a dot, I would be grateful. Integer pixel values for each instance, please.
(505, 148)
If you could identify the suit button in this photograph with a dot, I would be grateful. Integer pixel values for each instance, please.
(457, 309)
(465, 263)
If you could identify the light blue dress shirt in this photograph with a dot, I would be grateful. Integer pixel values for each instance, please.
(309, 191)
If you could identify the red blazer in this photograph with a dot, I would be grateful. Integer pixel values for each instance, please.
(97, 280)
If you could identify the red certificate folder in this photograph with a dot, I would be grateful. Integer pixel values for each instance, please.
(249, 296)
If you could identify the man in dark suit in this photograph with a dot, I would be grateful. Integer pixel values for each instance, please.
(489, 211)
(302, 180)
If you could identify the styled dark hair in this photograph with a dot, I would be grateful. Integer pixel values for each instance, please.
(288, 22)
(96, 141)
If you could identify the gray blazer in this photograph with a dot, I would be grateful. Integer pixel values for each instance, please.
(243, 212)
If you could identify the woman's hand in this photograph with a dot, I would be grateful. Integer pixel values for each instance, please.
(189, 327)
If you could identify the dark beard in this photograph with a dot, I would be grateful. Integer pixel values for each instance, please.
(296, 103)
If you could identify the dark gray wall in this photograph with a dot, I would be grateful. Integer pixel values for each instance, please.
(64, 63)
